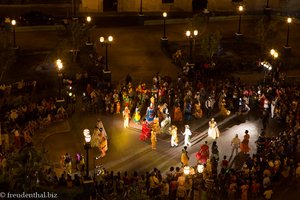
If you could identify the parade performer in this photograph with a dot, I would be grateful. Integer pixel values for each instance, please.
(137, 115)
(155, 126)
(118, 109)
(187, 136)
(165, 124)
(103, 145)
(213, 130)
(198, 111)
(150, 113)
(177, 114)
(203, 153)
(100, 126)
(223, 109)
(126, 116)
(145, 134)
(184, 158)
(153, 140)
(95, 140)
(245, 143)
(174, 137)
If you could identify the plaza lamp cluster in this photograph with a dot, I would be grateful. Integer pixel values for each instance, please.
(194, 174)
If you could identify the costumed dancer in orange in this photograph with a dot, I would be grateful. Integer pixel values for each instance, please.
(126, 115)
(245, 143)
(103, 145)
(145, 134)
(118, 109)
(177, 114)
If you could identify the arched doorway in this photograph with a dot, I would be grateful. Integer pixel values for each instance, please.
(110, 5)
(199, 5)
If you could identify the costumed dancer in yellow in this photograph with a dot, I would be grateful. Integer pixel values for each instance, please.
(153, 140)
(137, 115)
(198, 111)
(174, 137)
(184, 157)
(224, 111)
(126, 116)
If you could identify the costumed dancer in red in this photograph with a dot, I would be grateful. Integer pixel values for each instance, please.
(145, 134)
(203, 153)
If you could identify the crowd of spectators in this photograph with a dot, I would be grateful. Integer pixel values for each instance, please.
(274, 162)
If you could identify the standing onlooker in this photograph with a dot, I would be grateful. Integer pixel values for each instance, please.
(215, 151)
(268, 193)
(209, 104)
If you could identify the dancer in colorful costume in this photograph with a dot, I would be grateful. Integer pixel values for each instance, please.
(145, 134)
(213, 130)
(126, 115)
(174, 137)
(203, 153)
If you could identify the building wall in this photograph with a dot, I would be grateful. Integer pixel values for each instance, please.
(186, 5)
(93, 6)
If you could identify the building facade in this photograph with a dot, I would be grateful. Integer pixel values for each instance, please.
(99, 6)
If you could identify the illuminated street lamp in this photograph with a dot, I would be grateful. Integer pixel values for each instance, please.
(186, 170)
(191, 37)
(165, 16)
(106, 43)
(13, 23)
(59, 65)
(289, 21)
(87, 146)
(200, 168)
(88, 20)
(240, 9)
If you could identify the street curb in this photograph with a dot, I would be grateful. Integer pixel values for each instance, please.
(42, 136)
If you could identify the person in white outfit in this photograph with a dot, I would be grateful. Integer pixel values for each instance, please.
(187, 136)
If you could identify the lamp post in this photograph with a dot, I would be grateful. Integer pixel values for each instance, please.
(59, 65)
(164, 16)
(13, 23)
(164, 39)
(87, 146)
(106, 43)
(88, 20)
(274, 54)
(289, 21)
(191, 37)
(141, 8)
(240, 9)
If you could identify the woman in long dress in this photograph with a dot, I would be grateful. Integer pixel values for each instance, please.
(245, 143)
(213, 130)
(177, 114)
(145, 134)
